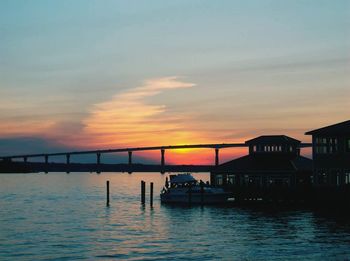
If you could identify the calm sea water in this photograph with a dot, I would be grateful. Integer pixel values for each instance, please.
(60, 216)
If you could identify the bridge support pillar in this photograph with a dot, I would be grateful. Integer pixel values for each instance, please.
(129, 161)
(162, 161)
(98, 155)
(98, 158)
(46, 163)
(68, 162)
(216, 157)
(130, 157)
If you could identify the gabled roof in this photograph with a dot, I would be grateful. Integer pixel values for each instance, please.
(273, 139)
(339, 128)
(265, 163)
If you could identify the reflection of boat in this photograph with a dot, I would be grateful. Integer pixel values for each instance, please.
(183, 188)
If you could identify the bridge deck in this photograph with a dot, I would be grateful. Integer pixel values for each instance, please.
(169, 147)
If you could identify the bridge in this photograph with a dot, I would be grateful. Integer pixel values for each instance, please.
(130, 151)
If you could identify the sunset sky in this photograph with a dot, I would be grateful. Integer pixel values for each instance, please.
(83, 74)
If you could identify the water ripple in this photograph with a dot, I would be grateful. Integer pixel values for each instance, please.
(58, 217)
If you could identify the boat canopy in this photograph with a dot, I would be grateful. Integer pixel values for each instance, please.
(182, 178)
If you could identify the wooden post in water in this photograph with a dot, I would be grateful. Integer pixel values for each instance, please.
(107, 183)
(151, 194)
(143, 192)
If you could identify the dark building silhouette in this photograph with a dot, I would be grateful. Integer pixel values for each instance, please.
(273, 161)
(331, 155)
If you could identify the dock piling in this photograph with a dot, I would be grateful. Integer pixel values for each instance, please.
(143, 192)
(107, 203)
(151, 194)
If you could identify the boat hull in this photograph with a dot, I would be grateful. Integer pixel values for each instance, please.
(218, 198)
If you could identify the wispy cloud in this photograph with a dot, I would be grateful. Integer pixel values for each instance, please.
(131, 119)
(136, 118)
(24, 127)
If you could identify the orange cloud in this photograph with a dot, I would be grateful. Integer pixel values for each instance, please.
(130, 119)
(11, 128)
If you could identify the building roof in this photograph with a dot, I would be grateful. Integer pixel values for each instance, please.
(339, 128)
(273, 139)
(265, 163)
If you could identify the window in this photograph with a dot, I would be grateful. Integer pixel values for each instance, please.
(321, 145)
(338, 179)
(254, 148)
(333, 140)
(231, 179)
(321, 149)
(347, 178)
(348, 145)
(218, 180)
(279, 181)
(333, 145)
(246, 179)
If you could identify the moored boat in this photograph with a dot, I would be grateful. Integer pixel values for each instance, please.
(184, 188)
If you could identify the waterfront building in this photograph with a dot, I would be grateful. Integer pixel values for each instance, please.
(273, 161)
(331, 155)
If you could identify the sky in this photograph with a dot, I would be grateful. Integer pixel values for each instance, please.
(97, 74)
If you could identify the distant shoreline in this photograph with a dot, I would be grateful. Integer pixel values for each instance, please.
(35, 167)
